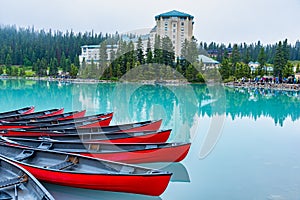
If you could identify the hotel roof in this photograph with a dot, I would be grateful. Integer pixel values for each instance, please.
(174, 13)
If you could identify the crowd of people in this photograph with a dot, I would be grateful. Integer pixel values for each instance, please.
(289, 83)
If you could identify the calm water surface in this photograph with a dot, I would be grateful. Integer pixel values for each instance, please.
(245, 143)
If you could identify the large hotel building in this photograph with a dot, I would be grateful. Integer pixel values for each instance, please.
(178, 26)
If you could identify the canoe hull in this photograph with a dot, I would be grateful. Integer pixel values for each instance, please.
(75, 115)
(159, 137)
(142, 184)
(58, 112)
(149, 127)
(22, 111)
(94, 123)
(168, 154)
(47, 126)
(30, 115)
(29, 111)
(5, 127)
(102, 122)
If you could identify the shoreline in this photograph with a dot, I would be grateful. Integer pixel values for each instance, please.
(91, 81)
(269, 86)
(251, 85)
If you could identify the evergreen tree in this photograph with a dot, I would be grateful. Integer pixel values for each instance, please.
(288, 70)
(8, 61)
(42, 67)
(63, 62)
(262, 62)
(158, 57)
(191, 73)
(225, 69)
(192, 51)
(103, 53)
(53, 67)
(279, 60)
(285, 49)
(112, 53)
(178, 66)
(247, 56)
(149, 55)
(130, 56)
(168, 54)
(189, 52)
(235, 58)
(184, 49)
(140, 52)
(119, 72)
(76, 61)
(74, 71)
(68, 65)
(35, 66)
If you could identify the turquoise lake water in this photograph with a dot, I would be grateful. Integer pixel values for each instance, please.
(245, 142)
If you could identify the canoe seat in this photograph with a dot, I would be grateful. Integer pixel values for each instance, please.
(13, 181)
(127, 170)
(45, 145)
(25, 154)
(68, 162)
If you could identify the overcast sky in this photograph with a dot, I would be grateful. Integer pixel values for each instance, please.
(223, 21)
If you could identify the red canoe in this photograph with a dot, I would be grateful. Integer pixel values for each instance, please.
(44, 113)
(127, 153)
(112, 137)
(21, 111)
(84, 172)
(94, 122)
(68, 115)
(133, 127)
(90, 121)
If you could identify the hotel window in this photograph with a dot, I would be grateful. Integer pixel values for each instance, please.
(174, 30)
(182, 29)
(174, 25)
(173, 36)
(182, 23)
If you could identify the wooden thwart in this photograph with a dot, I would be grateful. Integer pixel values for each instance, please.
(94, 147)
(69, 162)
(13, 181)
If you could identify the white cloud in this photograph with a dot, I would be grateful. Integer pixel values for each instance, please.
(218, 20)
